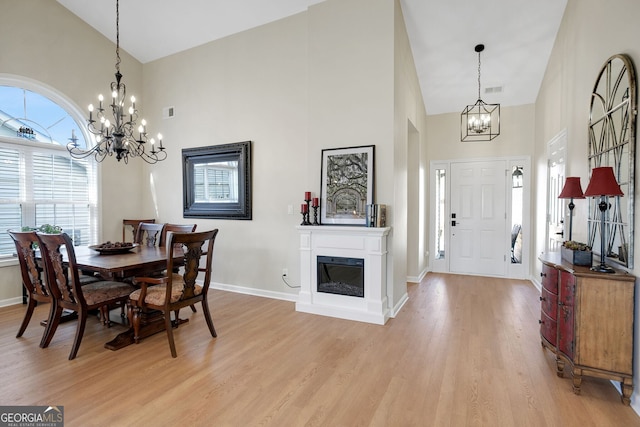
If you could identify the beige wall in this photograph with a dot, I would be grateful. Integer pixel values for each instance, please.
(591, 31)
(319, 79)
(250, 86)
(410, 161)
(516, 136)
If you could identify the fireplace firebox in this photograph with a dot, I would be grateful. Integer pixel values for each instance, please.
(341, 276)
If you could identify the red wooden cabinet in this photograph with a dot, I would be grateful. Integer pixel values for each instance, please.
(590, 329)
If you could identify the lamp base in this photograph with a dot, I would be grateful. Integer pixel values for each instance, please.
(602, 268)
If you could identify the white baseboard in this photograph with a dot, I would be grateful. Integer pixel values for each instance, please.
(224, 287)
(418, 279)
(241, 290)
(255, 292)
(396, 309)
(10, 301)
(536, 283)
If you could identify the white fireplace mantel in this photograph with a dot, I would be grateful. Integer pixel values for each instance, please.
(368, 243)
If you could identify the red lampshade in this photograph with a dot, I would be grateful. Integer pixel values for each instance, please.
(572, 189)
(603, 183)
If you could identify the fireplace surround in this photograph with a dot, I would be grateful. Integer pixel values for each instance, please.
(337, 243)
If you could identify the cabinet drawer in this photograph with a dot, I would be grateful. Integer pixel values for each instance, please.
(549, 277)
(548, 328)
(549, 304)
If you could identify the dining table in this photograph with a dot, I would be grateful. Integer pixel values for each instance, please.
(141, 260)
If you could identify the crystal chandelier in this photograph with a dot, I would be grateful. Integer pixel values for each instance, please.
(481, 121)
(119, 136)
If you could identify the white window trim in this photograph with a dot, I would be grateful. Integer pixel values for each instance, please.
(77, 115)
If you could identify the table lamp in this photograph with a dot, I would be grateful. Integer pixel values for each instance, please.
(603, 184)
(572, 190)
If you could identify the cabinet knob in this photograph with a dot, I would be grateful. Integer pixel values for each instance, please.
(540, 322)
(543, 274)
(543, 299)
(560, 303)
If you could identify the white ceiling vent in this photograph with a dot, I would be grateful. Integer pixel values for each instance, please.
(168, 112)
(494, 89)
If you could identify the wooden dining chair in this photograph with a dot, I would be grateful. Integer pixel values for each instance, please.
(182, 228)
(32, 280)
(149, 234)
(176, 290)
(67, 291)
(132, 224)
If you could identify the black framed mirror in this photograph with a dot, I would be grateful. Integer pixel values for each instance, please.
(216, 181)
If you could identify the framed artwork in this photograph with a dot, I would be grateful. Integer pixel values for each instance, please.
(347, 180)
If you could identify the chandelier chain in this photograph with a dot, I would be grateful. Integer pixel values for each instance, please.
(118, 36)
(478, 75)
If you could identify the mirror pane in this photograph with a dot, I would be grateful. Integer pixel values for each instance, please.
(612, 143)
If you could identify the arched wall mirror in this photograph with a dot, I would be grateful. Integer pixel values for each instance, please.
(612, 129)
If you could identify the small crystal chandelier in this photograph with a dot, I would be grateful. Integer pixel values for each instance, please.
(480, 121)
(118, 137)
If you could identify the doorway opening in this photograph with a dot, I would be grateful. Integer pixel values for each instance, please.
(480, 217)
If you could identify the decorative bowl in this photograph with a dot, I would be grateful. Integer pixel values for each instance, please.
(110, 250)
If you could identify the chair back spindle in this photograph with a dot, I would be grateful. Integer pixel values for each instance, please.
(182, 228)
(149, 234)
(133, 225)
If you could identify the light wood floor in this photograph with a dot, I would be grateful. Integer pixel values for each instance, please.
(464, 351)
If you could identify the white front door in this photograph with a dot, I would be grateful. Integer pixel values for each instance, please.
(478, 218)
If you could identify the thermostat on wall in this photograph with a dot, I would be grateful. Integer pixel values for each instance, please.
(168, 112)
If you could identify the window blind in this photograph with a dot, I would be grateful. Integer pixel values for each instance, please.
(44, 186)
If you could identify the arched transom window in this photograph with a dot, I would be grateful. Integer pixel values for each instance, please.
(40, 183)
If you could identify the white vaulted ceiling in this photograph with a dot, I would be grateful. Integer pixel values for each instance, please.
(518, 35)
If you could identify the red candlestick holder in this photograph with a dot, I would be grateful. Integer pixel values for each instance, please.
(304, 210)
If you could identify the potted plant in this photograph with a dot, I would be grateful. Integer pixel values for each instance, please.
(577, 253)
(45, 228)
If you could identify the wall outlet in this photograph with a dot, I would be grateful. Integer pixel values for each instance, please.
(285, 272)
(290, 209)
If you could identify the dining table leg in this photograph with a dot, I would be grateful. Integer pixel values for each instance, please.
(149, 322)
